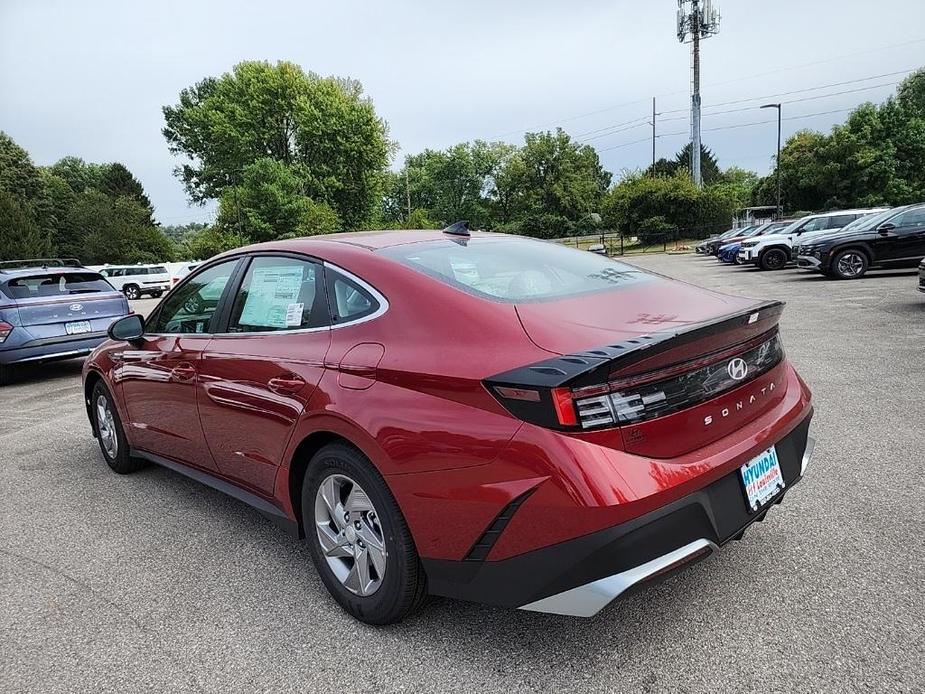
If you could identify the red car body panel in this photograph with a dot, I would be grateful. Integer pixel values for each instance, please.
(407, 390)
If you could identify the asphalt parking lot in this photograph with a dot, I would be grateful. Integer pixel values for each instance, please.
(152, 582)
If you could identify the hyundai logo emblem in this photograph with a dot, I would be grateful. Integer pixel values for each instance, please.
(75, 307)
(737, 369)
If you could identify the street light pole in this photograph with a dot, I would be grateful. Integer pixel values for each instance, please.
(777, 106)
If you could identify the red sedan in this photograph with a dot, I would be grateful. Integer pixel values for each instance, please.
(479, 416)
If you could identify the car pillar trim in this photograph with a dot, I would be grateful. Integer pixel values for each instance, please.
(591, 598)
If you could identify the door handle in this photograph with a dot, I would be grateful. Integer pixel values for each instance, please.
(286, 385)
(183, 371)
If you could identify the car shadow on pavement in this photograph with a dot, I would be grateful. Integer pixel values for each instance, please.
(23, 374)
(481, 636)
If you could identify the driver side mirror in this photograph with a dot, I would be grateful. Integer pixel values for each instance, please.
(127, 329)
(886, 227)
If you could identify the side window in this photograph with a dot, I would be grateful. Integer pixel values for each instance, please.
(909, 219)
(349, 301)
(813, 225)
(277, 294)
(841, 220)
(190, 308)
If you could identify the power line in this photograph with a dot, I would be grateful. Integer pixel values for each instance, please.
(744, 78)
(729, 127)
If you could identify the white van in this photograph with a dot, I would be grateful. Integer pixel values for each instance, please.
(136, 281)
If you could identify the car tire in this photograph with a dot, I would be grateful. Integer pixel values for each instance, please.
(850, 264)
(347, 511)
(131, 292)
(157, 295)
(109, 432)
(773, 259)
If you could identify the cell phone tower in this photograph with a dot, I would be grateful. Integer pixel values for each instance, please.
(697, 19)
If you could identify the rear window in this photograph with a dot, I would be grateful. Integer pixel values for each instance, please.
(516, 269)
(56, 284)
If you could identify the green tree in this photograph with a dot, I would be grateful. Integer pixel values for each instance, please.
(18, 175)
(117, 181)
(671, 201)
(78, 174)
(552, 187)
(207, 242)
(449, 185)
(114, 230)
(20, 235)
(321, 128)
(269, 205)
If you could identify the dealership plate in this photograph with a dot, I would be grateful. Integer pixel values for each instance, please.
(77, 327)
(762, 478)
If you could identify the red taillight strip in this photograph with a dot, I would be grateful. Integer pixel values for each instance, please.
(679, 369)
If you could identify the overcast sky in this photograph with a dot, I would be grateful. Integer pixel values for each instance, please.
(89, 78)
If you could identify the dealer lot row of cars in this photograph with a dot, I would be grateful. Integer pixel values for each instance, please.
(843, 245)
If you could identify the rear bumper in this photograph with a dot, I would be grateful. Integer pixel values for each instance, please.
(579, 577)
(51, 349)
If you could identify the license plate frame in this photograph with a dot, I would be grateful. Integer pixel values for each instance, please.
(762, 479)
(78, 327)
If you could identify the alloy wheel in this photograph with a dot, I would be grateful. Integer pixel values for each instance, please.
(106, 427)
(131, 293)
(851, 264)
(350, 534)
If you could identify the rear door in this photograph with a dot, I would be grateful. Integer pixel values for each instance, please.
(258, 373)
(159, 376)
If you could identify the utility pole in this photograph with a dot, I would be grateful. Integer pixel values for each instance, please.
(653, 135)
(702, 21)
(777, 160)
(407, 191)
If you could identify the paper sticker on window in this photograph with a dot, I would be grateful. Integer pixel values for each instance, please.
(294, 315)
(272, 293)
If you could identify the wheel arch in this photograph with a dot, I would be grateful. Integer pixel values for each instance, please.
(92, 378)
(309, 444)
(775, 247)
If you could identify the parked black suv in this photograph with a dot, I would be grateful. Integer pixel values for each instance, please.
(891, 239)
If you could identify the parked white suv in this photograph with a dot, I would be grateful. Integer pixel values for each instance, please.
(137, 280)
(774, 251)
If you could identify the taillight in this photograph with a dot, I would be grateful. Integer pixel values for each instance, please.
(5, 330)
(663, 392)
(642, 396)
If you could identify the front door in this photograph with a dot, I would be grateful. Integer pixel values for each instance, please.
(905, 242)
(259, 371)
(158, 376)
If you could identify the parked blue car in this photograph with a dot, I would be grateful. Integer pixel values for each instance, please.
(53, 309)
(728, 253)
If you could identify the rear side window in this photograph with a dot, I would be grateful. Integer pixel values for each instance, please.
(841, 221)
(910, 218)
(157, 271)
(516, 269)
(279, 294)
(349, 301)
(56, 284)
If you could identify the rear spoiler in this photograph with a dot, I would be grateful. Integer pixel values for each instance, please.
(594, 366)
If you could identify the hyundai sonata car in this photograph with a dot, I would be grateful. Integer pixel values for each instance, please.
(472, 415)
